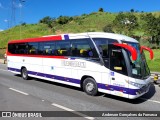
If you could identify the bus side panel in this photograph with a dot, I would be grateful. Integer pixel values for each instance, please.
(14, 64)
(33, 65)
(105, 82)
(57, 72)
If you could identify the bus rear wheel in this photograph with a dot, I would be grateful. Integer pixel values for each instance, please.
(90, 86)
(24, 73)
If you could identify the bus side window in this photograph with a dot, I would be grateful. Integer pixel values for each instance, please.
(102, 45)
(63, 48)
(33, 48)
(12, 48)
(83, 48)
(75, 51)
(19, 48)
(49, 48)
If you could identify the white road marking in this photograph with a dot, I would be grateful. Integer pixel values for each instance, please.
(73, 111)
(19, 91)
(150, 100)
(3, 70)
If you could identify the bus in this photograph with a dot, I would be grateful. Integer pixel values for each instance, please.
(94, 61)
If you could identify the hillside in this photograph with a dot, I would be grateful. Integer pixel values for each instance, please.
(85, 23)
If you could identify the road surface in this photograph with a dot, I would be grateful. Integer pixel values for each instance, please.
(17, 94)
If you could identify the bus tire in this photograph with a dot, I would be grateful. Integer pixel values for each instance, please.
(24, 73)
(90, 86)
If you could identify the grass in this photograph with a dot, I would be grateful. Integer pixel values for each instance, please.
(2, 51)
(27, 31)
(154, 64)
(94, 21)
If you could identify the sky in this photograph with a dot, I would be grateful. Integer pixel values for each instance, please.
(31, 11)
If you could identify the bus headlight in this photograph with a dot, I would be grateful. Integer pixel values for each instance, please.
(135, 84)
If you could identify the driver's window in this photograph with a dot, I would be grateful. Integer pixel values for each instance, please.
(117, 61)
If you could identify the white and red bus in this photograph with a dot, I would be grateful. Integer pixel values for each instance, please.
(97, 62)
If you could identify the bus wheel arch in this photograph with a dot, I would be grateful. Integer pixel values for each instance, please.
(24, 73)
(89, 85)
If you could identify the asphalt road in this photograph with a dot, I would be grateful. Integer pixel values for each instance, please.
(17, 94)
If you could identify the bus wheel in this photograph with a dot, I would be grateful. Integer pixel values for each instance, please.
(24, 73)
(90, 86)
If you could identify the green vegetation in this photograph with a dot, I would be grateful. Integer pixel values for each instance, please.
(128, 23)
(154, 64)
(144, 26)
(125, 23)
(27, 31)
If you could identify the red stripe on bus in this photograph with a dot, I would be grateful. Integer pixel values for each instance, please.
(40, 39)
(38, 56)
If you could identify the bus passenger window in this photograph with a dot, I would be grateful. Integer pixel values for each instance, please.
(83, 48)
(63, 48)
(75, 51)
(47, 48)
(32, 48)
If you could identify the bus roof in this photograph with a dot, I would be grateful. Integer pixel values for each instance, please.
(118, 37)
(78, 36)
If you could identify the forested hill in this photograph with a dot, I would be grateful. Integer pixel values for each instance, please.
(128, 23)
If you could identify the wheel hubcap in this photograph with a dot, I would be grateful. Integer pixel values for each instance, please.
(90, 87)
(24, 73)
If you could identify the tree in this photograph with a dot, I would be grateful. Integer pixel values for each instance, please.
(125, 22)
(152, 27)
(132, 10)
(100, 10)
(47, 20)
(64, 19)
(108, 28)
(23, 24)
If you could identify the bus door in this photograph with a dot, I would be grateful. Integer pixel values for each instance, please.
(118, 72)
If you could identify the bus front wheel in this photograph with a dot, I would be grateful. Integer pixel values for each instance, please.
(24, 73)
(90, 86)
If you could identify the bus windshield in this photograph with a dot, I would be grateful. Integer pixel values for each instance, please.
(140, 69)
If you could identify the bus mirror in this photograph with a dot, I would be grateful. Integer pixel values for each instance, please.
(117, 68)
(148, 49)
(130, 48)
